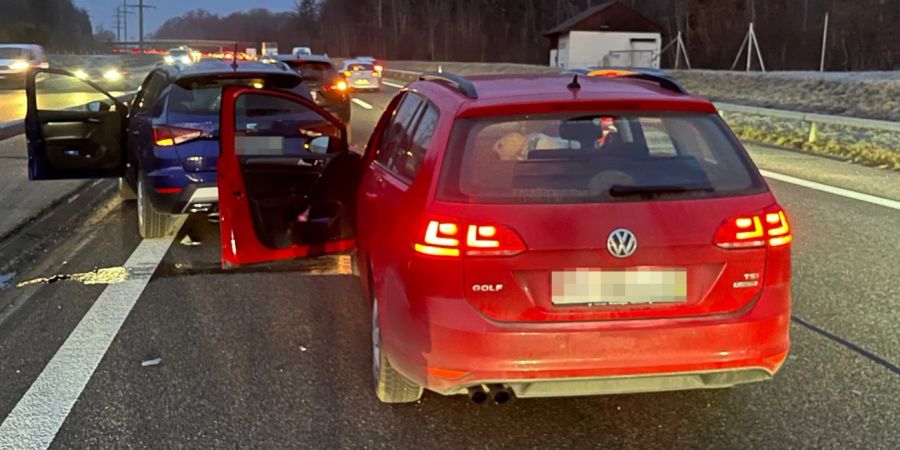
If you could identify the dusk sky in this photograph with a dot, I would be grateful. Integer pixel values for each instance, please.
(102, 11)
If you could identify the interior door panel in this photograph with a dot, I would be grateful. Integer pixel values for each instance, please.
(67, 140)
(76, 140)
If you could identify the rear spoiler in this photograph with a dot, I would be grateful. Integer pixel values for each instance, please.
(655, 76)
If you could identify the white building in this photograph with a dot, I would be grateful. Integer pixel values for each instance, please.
(608, 35)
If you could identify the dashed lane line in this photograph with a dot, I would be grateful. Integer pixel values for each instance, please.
(40, 413)
(393, 85)
(362, 103)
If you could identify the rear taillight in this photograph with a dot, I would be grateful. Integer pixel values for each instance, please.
(379, 68)
(768, 227)
(451, 237)
(337, 86)
(166, 136)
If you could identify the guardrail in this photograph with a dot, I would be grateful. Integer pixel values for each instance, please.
(812, 120)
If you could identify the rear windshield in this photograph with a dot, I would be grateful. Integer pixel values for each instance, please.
(314, 71)
(203, 97)
(360, 67)
(15, 53)
(575, 158)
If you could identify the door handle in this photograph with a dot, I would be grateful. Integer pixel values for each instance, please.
(372, 195)
(92, 120)
(136, 132)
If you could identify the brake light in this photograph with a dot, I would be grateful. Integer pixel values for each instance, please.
(768, 227)
(166, 136)
(339, 85)
(449, 237)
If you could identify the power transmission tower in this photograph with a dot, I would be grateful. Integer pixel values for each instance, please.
(141, 7)
(122, 23)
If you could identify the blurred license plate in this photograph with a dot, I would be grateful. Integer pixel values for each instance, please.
(362, 81)
(619, 287)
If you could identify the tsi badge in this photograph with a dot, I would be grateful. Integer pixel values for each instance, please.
(487, 287)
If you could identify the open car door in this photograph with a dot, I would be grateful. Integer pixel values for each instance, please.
(287, 179)
(74, 128)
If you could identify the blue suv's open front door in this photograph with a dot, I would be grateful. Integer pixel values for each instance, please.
(74, 128)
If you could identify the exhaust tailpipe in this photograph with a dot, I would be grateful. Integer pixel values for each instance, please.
(477, 394)
(501, 394)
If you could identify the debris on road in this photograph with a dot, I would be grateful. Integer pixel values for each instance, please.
(151, 362)
(4, 279)
(188, 242)
(106, 275)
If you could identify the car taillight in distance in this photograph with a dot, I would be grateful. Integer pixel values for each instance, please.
(166, 136)
(441, 236)
(768, 227)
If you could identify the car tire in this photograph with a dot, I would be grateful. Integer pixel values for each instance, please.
(390, 385)
(151, 223)
(126, 192)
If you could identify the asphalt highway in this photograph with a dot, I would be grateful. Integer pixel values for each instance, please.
(279, 356)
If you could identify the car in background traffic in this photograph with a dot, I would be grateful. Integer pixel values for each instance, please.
(16, 60)
(164, 145)
(301, 51)
(362, 75)
(180, 55)
(327, 86)
(111, 77)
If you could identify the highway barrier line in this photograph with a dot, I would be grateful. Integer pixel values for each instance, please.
(888, 203)
(362, 103)
(393, 85)
(40, 413)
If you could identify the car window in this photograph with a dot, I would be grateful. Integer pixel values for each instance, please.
(151, 91)
(407, 160)
(314, 71)
(16, 53)
(359, 67)
(202, 97)
(575, 158)
(398, 132)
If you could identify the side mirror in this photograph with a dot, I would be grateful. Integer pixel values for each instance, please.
(98, 106)
(324, 145)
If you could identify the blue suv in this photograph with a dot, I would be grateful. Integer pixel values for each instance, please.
(163, 146)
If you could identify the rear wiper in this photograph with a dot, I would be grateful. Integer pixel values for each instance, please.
(618, 190)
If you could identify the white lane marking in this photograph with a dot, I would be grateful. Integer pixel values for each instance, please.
(36, 419)
(833, 190)
(393, 85)
(362, 103)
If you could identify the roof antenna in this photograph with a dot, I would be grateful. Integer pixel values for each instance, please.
(234, 64)
(574, 84)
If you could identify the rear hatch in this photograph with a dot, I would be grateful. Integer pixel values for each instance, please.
(192, 110)
(361, 74)
(618, 215)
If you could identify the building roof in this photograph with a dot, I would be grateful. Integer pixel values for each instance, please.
(609, 16)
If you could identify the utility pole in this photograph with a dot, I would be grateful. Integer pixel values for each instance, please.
(122, 23)
(824, 44)
(141, 7)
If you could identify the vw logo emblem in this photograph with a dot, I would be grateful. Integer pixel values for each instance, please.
(621, 243)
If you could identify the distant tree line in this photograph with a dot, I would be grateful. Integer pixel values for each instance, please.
(863, 33)
(55, 24)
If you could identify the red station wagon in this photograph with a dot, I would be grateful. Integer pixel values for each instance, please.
(525, 236)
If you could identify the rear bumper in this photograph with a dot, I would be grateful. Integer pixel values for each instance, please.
(183, 196)
(447, 346)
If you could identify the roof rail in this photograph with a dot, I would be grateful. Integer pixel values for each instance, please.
(464, 86)
(638, 74)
